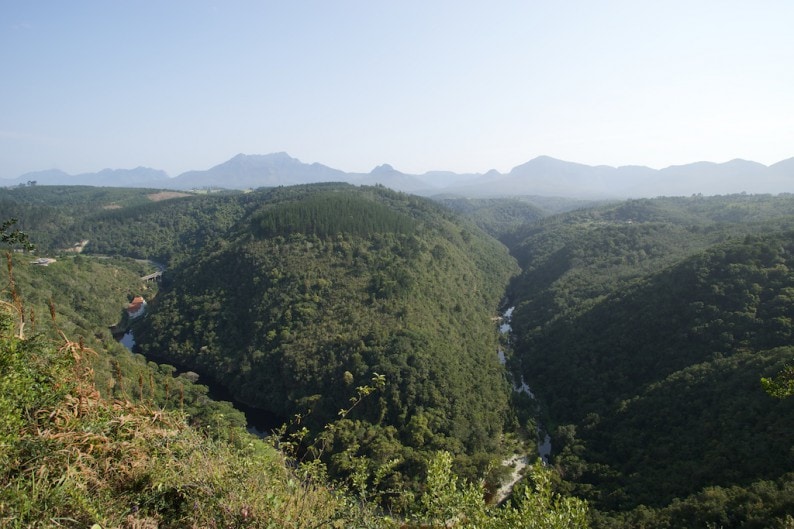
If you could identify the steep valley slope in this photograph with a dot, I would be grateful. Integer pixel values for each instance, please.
(325, 287)
(644, 328)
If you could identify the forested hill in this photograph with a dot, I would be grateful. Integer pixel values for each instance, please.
(644, 328)
(323, 287)
(143, 223)
(573, 259)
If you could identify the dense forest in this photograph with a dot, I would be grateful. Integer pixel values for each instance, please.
(367, 319)
(137, 223)
(329, 286)
(644, 328)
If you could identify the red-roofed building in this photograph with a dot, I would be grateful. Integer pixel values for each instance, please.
(137, 307)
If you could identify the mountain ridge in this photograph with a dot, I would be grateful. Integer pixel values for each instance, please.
(542, 175)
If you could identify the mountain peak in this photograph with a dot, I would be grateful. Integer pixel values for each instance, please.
(549, 164)
(383, 169)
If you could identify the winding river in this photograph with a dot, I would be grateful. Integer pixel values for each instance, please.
(544, 445)
(258, 422)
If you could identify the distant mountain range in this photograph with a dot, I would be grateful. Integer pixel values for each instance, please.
(543, 176)
(138, 177)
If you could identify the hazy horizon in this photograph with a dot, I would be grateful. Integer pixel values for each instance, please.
(440, 169)
(451, 86)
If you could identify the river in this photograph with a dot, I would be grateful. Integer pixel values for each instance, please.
(544, 440)
(258, 422)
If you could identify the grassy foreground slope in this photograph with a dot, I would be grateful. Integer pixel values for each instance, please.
(90, 435)
(72, 458)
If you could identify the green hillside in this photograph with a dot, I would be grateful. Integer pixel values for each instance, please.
(324, 287)
(496, 216)
(646, 340)
(140, 223)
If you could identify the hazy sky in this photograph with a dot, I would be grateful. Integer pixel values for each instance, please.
(423, 85)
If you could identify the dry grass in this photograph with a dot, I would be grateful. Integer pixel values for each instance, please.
(166, 195)
(78, 459)
(91, 460)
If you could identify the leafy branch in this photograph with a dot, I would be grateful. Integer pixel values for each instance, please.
(14, 238)
(290, 443)
(781, 385)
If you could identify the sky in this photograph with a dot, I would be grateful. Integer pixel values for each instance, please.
(422, 85)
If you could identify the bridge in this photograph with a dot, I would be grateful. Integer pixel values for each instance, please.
(157, 276)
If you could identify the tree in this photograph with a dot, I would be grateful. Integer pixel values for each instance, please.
(448, 502)
(15, 238)
(782, 385)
